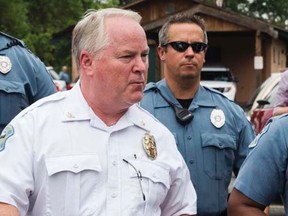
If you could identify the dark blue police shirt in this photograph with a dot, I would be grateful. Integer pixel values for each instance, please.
(211, 152)
(26, 81)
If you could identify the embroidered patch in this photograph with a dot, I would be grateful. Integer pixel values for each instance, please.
(6, 133)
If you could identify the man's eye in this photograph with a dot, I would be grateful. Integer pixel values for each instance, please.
(126, 56)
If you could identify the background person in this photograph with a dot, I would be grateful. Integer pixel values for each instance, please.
(64, 74)
(263, 176)
(23, 78)
(214, 143)
(281, 101)
(92, 150)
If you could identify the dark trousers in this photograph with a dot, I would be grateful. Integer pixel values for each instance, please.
(223, 213)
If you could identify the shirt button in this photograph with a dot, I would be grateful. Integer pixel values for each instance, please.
(191, 161)
(189, 137)
(114, 163)
(114, 195)
(76, 166)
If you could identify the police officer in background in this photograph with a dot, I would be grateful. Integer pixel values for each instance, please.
(23, 78)
(263, 175)
(212, 132)
(93, 150)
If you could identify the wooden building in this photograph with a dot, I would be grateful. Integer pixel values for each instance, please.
(251, 48)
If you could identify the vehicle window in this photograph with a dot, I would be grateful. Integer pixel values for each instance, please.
(216, 75)
(271, 97)
(267, 82)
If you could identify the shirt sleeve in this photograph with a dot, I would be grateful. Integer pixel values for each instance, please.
(246, 136)
(262, 176)
(15, 174)
(45, 84)
(181, 198)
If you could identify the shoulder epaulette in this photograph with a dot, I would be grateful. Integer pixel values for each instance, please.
(215, 91)
(150, 86)
(13, 42)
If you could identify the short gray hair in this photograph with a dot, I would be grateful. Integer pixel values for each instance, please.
(89, 33)
(178, 19)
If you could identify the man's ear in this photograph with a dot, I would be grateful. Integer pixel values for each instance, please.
(86, 61)
(204, 60)
(161, 53)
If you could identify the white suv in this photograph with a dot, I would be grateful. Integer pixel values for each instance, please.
(219, 78)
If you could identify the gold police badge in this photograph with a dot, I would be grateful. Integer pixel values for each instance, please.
(149, 145)
(5, 64)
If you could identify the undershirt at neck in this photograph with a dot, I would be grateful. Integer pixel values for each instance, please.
(185, 103)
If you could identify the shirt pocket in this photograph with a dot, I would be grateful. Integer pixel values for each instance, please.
(65, 181)
(13, 100)
(218, 154)
(155, 182)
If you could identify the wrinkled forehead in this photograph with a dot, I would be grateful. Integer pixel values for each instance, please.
(189, 30)
(122, 28)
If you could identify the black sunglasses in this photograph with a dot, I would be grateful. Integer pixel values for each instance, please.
(180, 46)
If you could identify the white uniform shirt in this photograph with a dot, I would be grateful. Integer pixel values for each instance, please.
(61, 159)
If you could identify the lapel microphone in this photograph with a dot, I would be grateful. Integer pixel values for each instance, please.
(183, 116)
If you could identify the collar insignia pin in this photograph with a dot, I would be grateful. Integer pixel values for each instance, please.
(217, 118)
(142, 123)
(149, 145)
(69, 115)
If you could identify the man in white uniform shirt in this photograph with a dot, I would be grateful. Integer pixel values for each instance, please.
(92, 150)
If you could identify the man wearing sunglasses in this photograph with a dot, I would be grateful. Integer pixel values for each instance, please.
(212, 132)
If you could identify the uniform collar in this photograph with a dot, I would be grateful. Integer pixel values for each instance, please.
(77, 109)
(132, 117)
(202, 98)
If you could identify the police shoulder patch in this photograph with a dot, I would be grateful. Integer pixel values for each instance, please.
(255, 141)
(6, 133)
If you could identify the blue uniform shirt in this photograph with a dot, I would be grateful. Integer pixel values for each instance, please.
(211, 153)
(23, 78)
(264, 174)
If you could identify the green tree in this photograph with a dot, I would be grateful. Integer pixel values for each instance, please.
(273, 11)
(48, 17)
(13, 19)
(45, 25)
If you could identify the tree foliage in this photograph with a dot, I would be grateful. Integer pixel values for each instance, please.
(13, 17)
(44, 25)
(273, 11)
